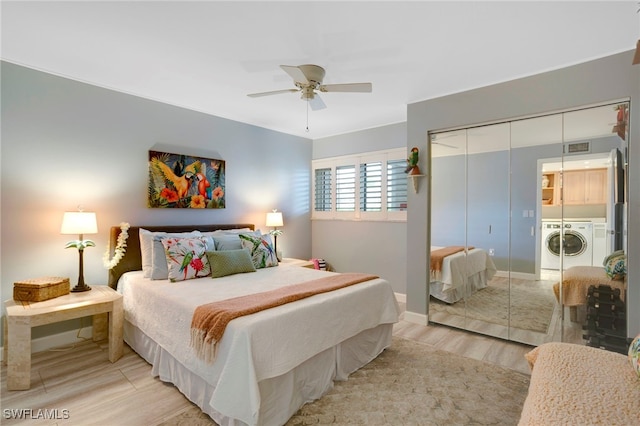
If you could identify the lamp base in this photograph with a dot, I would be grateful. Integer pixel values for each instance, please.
(80, 287)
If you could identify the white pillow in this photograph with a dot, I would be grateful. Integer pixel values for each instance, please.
(219, 232)
(146, 244)
(226, 240)
(146, 247)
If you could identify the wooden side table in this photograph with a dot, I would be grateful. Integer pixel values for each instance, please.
(100, 302)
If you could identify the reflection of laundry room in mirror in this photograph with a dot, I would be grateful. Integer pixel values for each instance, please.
(579, 194)
(539, 197)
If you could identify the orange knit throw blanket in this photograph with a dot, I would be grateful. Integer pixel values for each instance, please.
(210, 320)
(437, 256)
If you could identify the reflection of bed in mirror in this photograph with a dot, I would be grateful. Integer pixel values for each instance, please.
(457, 273)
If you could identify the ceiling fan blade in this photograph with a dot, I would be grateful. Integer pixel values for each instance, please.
(348, 87)
(275, 92)
(295, 73)
(444, 144)
(316, 103)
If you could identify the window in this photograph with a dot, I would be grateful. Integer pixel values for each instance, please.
(371, 186)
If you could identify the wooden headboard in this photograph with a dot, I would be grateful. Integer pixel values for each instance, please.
(132, 259)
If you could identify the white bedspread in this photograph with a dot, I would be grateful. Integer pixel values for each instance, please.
(458, 267)
(259, 346)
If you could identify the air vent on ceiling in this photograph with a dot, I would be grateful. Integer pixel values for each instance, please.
(577, 148)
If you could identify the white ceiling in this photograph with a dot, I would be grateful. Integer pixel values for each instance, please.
(208, 55)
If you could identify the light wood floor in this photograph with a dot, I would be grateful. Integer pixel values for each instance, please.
(81, 380)
(560, 328)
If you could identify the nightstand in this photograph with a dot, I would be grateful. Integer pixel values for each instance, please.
(290, 261)
(100, 302)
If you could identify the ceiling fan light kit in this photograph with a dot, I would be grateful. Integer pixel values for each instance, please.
(308, 80)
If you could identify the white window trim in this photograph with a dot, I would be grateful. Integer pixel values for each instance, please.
(356, 160)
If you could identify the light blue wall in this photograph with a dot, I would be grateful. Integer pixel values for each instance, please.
(363, 246)
(376, 139)
(66, 143)
(601, 80)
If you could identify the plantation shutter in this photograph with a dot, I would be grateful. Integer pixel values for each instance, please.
(371, 187)
(396, 186)
(323, 190)
(346, 188)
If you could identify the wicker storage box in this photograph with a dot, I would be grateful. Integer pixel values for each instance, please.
(39, 289)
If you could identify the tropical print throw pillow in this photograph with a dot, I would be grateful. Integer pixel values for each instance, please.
(262, 253)
(186, 258)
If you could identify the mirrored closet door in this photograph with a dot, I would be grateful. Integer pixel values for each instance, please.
(515, 207)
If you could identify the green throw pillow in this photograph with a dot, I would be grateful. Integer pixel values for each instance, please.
(229, 262)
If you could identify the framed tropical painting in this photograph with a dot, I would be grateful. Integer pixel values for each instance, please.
(183, 181)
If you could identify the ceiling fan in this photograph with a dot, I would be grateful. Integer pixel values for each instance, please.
(436, 137)
(308, 80)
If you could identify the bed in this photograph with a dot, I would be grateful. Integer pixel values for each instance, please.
(267, 364)
(460, 274)
(575, 286)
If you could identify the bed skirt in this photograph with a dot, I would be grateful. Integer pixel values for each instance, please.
(475, 282)
(281, 396)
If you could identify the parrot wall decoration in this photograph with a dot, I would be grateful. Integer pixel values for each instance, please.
(412, 162)
(180, 183)
(203, 184)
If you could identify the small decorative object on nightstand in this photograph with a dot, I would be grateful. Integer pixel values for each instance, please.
(39, 289)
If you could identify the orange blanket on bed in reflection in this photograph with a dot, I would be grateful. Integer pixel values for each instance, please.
(437, 256)
(210, 320)
(576, 281)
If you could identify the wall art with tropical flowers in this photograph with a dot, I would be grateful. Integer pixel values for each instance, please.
(182, 181)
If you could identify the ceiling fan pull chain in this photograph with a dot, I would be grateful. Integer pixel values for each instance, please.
(307, 130)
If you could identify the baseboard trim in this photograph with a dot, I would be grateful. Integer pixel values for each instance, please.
(416, 318)
(59, 340)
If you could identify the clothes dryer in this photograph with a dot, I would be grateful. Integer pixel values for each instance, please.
(574, 240)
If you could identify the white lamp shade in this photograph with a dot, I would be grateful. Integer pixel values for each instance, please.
(274, 219)
(79, 223)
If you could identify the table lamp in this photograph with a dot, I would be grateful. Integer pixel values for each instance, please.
(80, 223)
(274, 219)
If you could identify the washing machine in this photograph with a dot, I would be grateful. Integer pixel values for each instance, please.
(550, 259)
(573, 239)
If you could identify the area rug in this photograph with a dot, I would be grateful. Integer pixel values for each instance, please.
(411, 384)
(521, 305)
